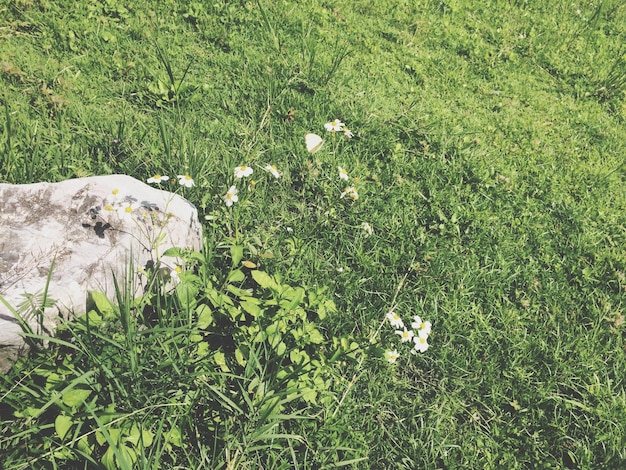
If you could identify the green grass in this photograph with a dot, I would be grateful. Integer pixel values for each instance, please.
(489, 160)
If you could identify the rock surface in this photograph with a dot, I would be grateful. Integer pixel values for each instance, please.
(87, 230)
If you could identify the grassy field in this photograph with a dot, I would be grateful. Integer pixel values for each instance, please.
(488, 156)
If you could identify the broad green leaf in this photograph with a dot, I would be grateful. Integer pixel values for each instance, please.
(281, 348)
(186, 293)
(62, 424)
(174, 437)
(236, 276)
(251, 307)
(75, 396)
(241, 360)
(138, 436)
(263, 279)
(91, 318)
(54, 379)
(293, 297)
(102, 303)
(174, 252)
(309, 394)
(108, 459)
(220, 360)
(315, 336)
(84, 445)
(205, 316)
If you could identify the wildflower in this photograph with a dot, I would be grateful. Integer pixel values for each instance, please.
(392, 356)
(367, 228)
(334, 126)
(395, 319)
(114, 197)
(313, 142)
(421, 326)
(185, 180)
(351, 192)
(174, 273)
(421, 342)
(343, 174)
(125, 211)
(242, 171)
(231, 196)
(157, 179)
(273, 170)
(347, 133)
(405, 335)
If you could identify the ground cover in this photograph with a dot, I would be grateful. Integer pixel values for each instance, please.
(488, 158)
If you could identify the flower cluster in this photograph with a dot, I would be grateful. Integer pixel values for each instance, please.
(183, 180)
(349, 191)
(243, 171)
(116, 203)
(417, 335)
(337, 126)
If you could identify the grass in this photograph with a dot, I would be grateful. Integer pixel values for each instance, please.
(489, 160)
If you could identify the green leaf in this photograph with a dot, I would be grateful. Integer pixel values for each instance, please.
(91, 318)
(62, 425)
(102, 303)
(108, 459)
(236, 254)
(241, 293)
(186, 293)
(75, 396)
(174, 252)
(315, 336)
(220, 360)
(264, 280)
(174, 437)
(251, 307)
(241, 360)
(297, 298)
(137, 436)
(205, 316)
(236, 276)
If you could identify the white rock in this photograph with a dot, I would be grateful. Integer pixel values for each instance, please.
(76, 227)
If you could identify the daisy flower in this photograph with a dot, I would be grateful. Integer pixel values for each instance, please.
(351, 192)
(395, 319)
(367, 228)
(185, 180)
(421, 326)
(231, 196)
(405, 335)
(156, 179)
(343, 174)
(114, 197)
(243, 171)
(273, 170)
(347, 133)
(125, 211)
(334, 126)
(392, 356)
(421, 342)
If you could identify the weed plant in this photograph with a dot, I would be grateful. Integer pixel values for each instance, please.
(484, 194)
